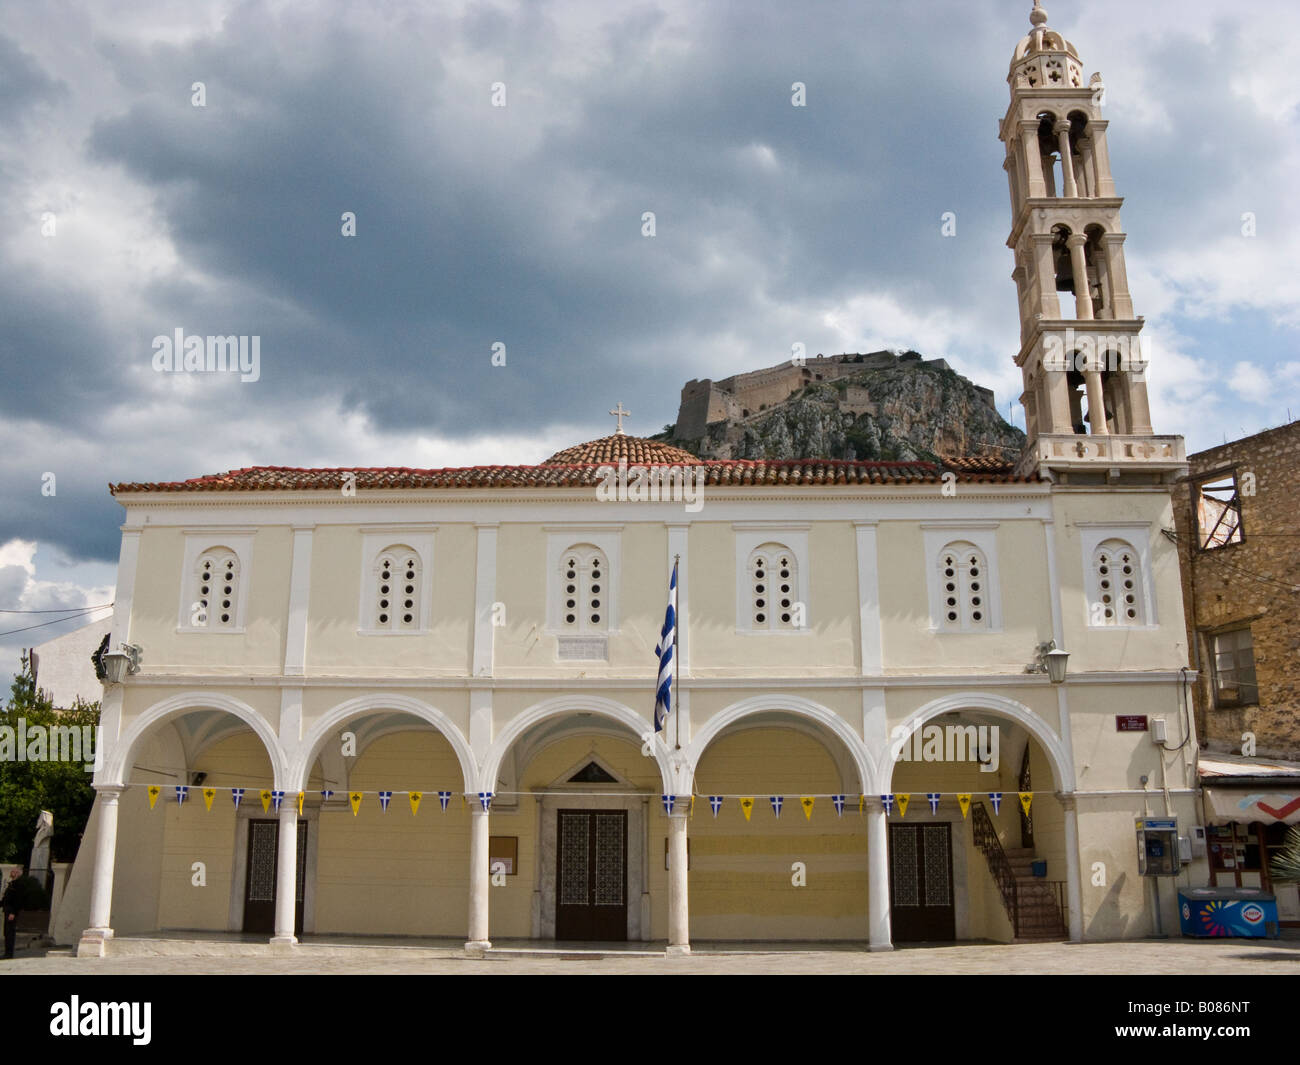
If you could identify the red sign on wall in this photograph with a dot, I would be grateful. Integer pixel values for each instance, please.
(1130, 723)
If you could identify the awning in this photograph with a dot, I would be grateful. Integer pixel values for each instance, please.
(1225, 806)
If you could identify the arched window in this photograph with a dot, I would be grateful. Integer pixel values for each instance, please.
(1117, 583)
(216, 589)
(773, 588)
(584, 590)
(396, 584)
(963, 588)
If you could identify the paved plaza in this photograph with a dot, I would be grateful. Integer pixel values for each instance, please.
(177, 956)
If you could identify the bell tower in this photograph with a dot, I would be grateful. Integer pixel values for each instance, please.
(1081, 355)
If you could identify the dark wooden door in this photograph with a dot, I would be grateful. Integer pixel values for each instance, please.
(591, 875)
(920, 883)
(261, 886)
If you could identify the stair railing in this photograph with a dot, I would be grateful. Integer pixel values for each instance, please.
(986, 839)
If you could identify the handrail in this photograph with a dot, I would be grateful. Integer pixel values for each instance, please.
(986, 839)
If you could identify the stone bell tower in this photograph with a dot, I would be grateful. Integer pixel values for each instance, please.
(1083, 361)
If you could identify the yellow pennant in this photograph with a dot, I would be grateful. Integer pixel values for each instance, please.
(355, 799)
(691, 814)
(415, 797)
(154, 792)
(963, 800)
(1026, 797)
(747, 806)
(807, 803)
(208, 795)
(862, 803)
(902, 801)
(301, 796)
(266, 800)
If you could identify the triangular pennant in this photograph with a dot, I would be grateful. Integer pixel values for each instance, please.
(1026, 797)
(887, 801)
(715, 804)
(302, 797)
(182, 793)
(838, 800)
(963, 800)
(485, 800)
(277, 797)
(691, 812)
(903, 800)
(807, 803)
(777, 802)
(237, 796)
(995, 797)
(355, 799)
(208, 795)
(414, 797)
(862, 803)
(747, 806)
(668, 803)
(933, 798)
(154, 792)
(326, 794)
(265, 795)
(385, 797)
(444, 797)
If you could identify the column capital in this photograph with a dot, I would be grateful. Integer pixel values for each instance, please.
(1062, 125)
(1067, 799)
(873, 804)
(1076, 240)
(109, 793)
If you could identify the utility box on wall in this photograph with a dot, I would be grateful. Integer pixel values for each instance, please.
(1157, 845)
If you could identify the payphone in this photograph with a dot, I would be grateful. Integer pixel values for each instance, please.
(1157, 844)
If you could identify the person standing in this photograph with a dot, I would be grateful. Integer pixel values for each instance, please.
(11, 903)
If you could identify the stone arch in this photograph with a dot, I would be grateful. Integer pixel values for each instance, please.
(117, 761)
(998, 705)
(792, 704)
(300, 765)
(565, 704)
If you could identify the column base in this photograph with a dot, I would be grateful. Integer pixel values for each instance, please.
(881, 946)
(284, 942)
(94, 942)
(478, 946)
(677, 948)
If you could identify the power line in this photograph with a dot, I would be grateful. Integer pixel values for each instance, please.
(102, 606)
(42, 625)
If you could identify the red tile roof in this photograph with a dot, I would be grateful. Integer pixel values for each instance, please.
(635, 449)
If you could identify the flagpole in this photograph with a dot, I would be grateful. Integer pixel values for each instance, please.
(677, 667)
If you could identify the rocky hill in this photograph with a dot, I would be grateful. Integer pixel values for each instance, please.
(875, 406)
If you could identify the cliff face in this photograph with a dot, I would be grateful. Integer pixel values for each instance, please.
(911, 410)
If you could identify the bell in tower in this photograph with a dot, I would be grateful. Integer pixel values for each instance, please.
(1081, 355)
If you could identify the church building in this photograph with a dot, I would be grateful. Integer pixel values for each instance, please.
(913, 702)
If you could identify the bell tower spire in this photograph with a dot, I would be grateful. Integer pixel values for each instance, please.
(1084, 365)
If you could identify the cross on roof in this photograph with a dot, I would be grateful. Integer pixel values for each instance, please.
(620, 414)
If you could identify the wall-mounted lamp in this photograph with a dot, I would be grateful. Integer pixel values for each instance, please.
(118, 665)
(1050, 660)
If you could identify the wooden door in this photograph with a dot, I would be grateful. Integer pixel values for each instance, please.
(260, 883)
(920, 883)
(591, 875)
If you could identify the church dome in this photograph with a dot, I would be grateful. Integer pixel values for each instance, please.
(1044, 58)
(634, 450)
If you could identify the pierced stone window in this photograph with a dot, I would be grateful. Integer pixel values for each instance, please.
(1118, 585)
(963, 588)
(584, 590)
(216, 589)
(773, 588)
(396, 593)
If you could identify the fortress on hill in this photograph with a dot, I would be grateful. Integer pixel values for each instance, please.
(745, 395)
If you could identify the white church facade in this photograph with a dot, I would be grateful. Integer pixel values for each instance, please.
(431, 691)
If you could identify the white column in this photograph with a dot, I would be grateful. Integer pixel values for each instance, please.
(93, 939)
(1062, 131)
(1079, 266)
(1073, 891)
(286, 873)
(480, 880)
(878, 875)
(679, 919)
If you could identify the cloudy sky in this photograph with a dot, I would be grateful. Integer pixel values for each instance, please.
(127, 212)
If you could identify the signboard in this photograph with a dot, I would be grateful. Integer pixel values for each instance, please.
(1130, 723)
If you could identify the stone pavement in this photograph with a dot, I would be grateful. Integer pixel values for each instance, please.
(1134, 957)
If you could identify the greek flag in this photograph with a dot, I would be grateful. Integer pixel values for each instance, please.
(777, 802)
(933, 796)
(995, 797)
(277, 797)
(182, 793)
(237, 794)
(838, 800)
(443, 798)
(715, 804)
(385, 797)
(664, 651)
(888, 802)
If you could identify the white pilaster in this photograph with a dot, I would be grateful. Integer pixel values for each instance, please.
(679, 922)
(480, 880)
(286, 873)
(485, 594)
(677, 545)
(869, 633)
(295, 642)
(1073, 889)
(95, 937)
